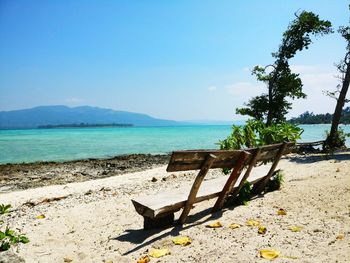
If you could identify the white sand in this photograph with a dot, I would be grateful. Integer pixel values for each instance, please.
(97, 222)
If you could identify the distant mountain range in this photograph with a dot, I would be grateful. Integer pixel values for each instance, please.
(63, 115)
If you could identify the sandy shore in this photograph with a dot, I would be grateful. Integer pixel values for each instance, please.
(94, 221)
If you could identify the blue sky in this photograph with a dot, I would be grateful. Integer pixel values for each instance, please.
(180, 60)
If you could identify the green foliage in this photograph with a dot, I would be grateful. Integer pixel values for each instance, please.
(336, 142)
(255, 133)
(245, 193)
(9, 237)
(278, 77)
(275, 183)
(4, 209)
(311, 118)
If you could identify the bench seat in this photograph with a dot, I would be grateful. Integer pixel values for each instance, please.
(153, 206)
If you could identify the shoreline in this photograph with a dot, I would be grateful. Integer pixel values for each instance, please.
(22, 176)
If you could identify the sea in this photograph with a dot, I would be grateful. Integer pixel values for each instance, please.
(65, 144)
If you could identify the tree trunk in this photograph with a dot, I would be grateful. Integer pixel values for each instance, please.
(270, 112)
(340, 104)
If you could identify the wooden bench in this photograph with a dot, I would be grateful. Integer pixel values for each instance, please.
(158, 210)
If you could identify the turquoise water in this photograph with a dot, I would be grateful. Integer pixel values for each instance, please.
(71, 144)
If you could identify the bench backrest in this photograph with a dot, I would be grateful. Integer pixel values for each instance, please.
(194, 159)
(268, 153)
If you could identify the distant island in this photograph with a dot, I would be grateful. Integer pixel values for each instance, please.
(311, 118)
(85, 125)
(62, 116)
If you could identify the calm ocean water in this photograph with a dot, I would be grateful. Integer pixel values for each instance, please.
(70, 144)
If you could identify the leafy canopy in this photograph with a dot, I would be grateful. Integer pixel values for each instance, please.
(281, 82)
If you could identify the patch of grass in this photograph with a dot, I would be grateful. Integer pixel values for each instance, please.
(4, 209)
(9, 237)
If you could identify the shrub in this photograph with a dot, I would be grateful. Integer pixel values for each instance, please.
(337, 142)
(255, 133)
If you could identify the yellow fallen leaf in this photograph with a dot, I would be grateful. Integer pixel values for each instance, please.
(144, 259)
(214, 225)
(295, 228)
(281, 212)
(183, 241)
(269, 253)
(234, 226)
(157, 253)
(340, 237)
(262, 230)
(252, 222)
(42, 216)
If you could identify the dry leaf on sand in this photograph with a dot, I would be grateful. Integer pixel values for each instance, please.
(144, 259)
(157, 253)
(262, 230)
(295, 228)
(182, 240)
(216, 224)
(42, 216)
(234, 226)
(269, 253)
(281, 212)
(252, 222)
(340, 237)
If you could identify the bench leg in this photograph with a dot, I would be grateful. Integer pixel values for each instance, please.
(260, 186)
(158, 222)
(230, 182)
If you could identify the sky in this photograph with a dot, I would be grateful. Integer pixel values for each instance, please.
(179, 60)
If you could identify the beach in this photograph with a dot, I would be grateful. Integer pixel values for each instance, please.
(95, 221)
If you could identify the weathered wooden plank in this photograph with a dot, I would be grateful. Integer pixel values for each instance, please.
(316, 143)
(230, 181)
(195, 187)
(193, 160)
(173, 200)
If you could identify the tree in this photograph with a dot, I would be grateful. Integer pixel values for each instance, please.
(281, 82)
(334, 138)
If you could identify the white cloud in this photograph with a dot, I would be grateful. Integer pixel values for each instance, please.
(315, 79)
(245, 89)
(212, 88)
(246, 69)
